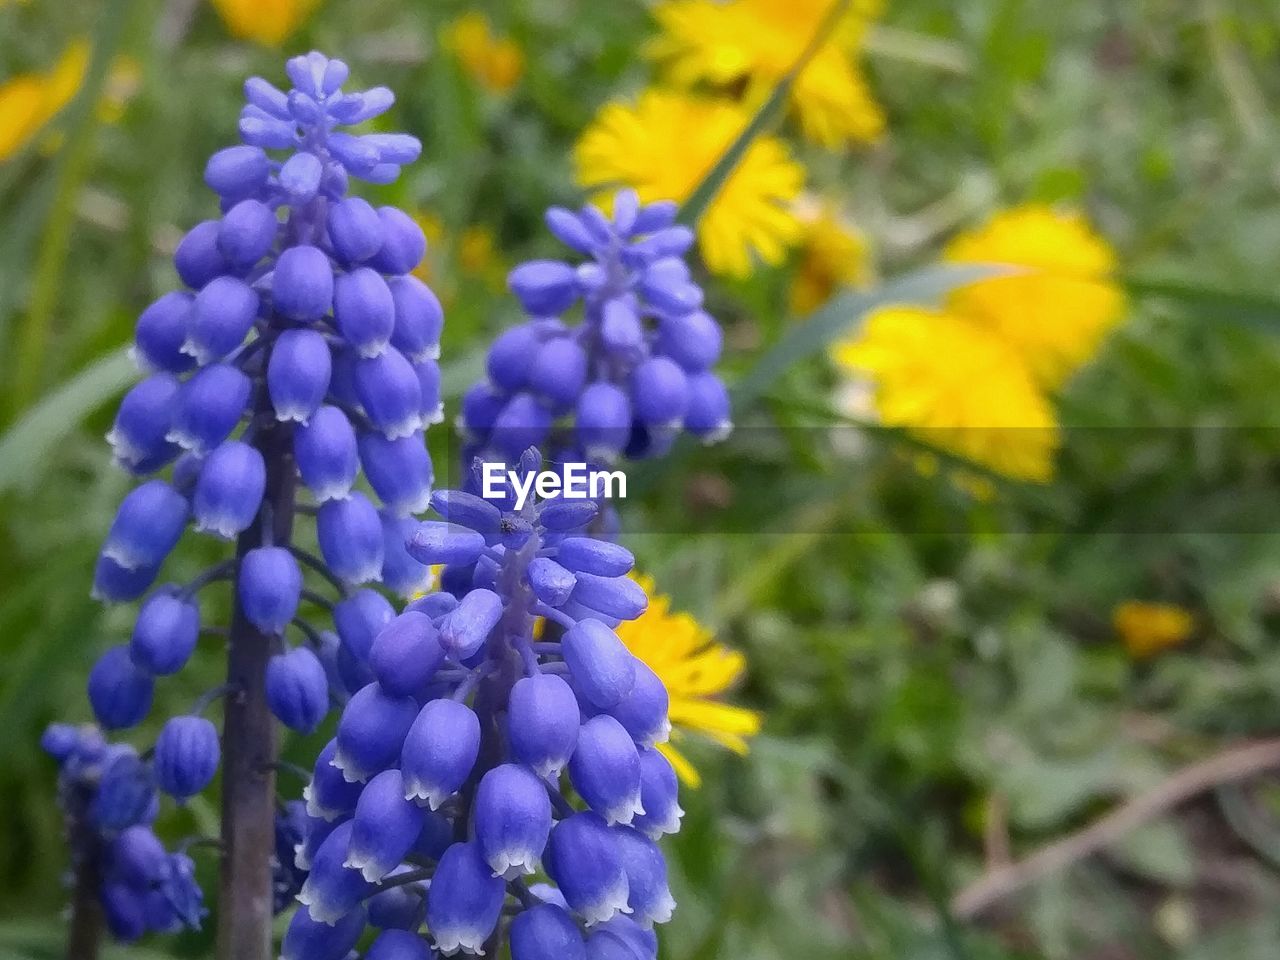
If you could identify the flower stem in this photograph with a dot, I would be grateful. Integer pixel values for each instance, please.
(84, 931)
(249, 735)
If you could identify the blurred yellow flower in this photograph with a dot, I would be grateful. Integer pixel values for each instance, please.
(269, 22)
(1146, 629)
(694, 669)
(751, 44)
(29, 101)
(494, 62)
(471, 254)
(833, 254)
(957, 388)
(1059, 305)
(665, 143)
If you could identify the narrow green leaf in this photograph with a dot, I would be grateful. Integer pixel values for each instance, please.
(764, 118)
(1205, 302)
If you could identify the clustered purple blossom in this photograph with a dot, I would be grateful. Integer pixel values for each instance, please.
(637, 369)
(442, 791)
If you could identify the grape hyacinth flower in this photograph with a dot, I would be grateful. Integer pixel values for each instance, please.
(445, 771)
(637, 369)
(293, 359)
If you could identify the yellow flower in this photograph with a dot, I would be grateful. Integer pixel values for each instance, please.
(494, 62)
(694, 669)
(957, 388)
(1146, 629)
(471, 254)
(832, 255)
(751, 44)
(269, 22)
(665, 143)
(1058, 307)
(29, 101)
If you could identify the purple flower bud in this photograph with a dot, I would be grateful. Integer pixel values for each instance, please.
(511, 820)
(583, 859)
(709, 410)
(147, 526)
(60, 741)
(209, 406)
(551, 582)
(649, 897)
(603, 420)
(165, 634)
(402, 245)
(656, 216)
(399, 945)
(113, 583)
(198, 259)
(398, 909)
(544, 287)
(330, 795)
(126, 793)
(563, 516)
(643, 711)
(332, 889)
(464, 630)
(137, 857)
(659, 793)
(507, 362)
(481, 405)
(400, 572)
(300, 178)
(229, 490)
(603, 670)
(693, 341)
(247, 233)
(355, 230)
(465, 901)
(302, 284)
(269, 587)
(542, 723)
(186, 756)
(125, 911)
(137, 437)
(668, 242)
(384, 828)
(439, 751)
(398, 470)
(325, 448)
(360, 618)
(605, 770)
(559, 371)
(431, 410)
(566, 227)
(546, 932)
(309, 939)
(298, 689)
(237, 172)
(119, 692)
(621, 330)
(372, 731)
(616, 597)
(365, 311)
(666, 284)
(298, 374)
(661, 392)
(466, 509)
(161, 331)
(389, 392)
(434, 543)
(350, 536)
(406, 653)
(434, 605)
(607, 945)
(523, 423)
(419, 318)
(598, 557)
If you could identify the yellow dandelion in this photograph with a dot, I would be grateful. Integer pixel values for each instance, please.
(833, 254)
(269, 22)
(1146, 629)
(694, 669)
(665, 143)
(494, 62)
(957, 388)
(749, 45)
(1063, 300)
(29, 101)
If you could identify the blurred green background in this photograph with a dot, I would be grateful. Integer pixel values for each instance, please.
(942, 683)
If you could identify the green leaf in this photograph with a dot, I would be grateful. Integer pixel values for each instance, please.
(1197, 301)
(763, 120)
(1158, 850)
(31, 439)
(839, 317)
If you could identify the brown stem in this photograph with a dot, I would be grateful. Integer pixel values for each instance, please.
(84, 932)
(249, 736)
(1231, 765)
